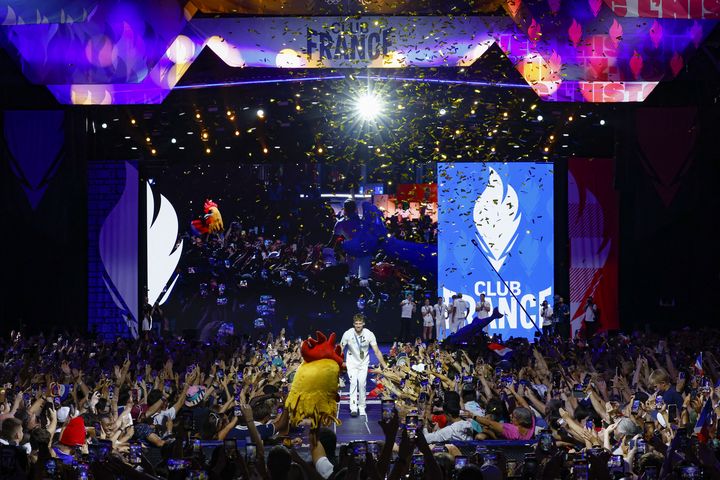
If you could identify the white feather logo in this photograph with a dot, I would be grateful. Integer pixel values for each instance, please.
(497, 219)
(163, 250)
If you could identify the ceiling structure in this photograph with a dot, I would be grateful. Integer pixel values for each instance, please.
(132, 52)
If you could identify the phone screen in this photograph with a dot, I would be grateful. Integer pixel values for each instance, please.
(388, 406)
(672, 413)
(691, 472)
(545, 441)
(635, 406)
(418, 465)
(135, 453)
(580, 470)
(578, 391)
(175, 465)
(359, 450)
(250, 452)
(460, 462)
(374, 449)
(411, 425)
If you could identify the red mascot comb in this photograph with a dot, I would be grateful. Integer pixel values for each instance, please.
(323, 347)
(209, 204)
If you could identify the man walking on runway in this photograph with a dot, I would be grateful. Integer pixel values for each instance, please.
(358, 341)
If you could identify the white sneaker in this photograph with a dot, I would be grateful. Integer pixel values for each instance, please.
(362, 412)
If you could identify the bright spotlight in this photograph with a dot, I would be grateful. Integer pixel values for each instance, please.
(369, 106)
(540, 118)
(442, 112)
(261, 113)
(602, 122)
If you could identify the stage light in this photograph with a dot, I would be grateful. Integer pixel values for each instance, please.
(265, 150)
(147, 139)
(505, 114)
(104, 125)
(237, 133)
(369, 106)
(570, 118)
(540, 118)
(552, 137)
(320, 150)
(533, 107)
(173, 140)
(205, 135)
(229, 113)
(261, 113)
(153, 151)
(197, 115)
(442, 112)
(492, 149)
(546, 149)
(602, 122)
(132, 121)
(207, 150)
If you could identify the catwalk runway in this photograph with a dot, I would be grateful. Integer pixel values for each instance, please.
(361, 427)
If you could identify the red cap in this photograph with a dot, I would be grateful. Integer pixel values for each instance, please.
(74, 433)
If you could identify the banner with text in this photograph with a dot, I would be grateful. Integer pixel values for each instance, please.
(496, 222)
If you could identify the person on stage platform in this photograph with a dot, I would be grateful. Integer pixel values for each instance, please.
(358, 341)
(547, 318)
(482, 308)
(427, 315)
(561, 314)
(407, 308)
(441, 313)
(459, 313)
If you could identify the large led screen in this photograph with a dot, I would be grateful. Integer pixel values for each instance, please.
(496, 237)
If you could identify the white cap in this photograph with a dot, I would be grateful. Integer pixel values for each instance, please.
(62, 414)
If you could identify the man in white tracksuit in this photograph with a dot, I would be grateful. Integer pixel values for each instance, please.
(358, 341)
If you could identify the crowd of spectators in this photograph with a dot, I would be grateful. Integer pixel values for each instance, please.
(623, 406)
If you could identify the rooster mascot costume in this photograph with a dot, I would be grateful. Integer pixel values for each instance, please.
(313, 393)
(211, 222)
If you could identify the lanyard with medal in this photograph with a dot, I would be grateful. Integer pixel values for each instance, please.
(362, 354)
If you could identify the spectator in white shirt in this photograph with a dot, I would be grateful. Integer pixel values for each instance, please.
(456, 429)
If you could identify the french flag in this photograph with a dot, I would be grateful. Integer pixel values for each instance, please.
(699, 365)
(702, 425)
(501, 350)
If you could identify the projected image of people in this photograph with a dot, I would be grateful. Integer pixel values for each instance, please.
(259, 252)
